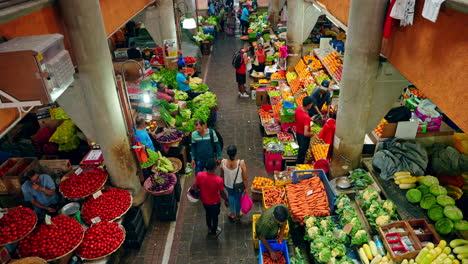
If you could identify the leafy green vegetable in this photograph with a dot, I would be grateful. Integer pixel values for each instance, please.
(436, 212)
(461, 225)
(299, 258)
(325, 255)
(360, 237)
(427, 201)
(444, 226)
(445, 200)
(389, 206)
(360, 179)
(207, 99)
(168, 77)
(198, 88)
(423, 189)
(413, 196)
(429, 181)
(180, 95)
(369, 194)
(437, 190)
(453, 213)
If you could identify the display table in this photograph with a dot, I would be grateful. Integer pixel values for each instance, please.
(391, 191)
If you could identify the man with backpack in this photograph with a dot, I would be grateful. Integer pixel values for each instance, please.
(239, 62)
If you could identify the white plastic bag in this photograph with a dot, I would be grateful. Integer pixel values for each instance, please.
(431, 9)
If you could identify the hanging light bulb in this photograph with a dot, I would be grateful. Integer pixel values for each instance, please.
(146, 98)
(189, 22)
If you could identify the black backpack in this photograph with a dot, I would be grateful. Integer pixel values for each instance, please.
(220, 140)
(237, 59)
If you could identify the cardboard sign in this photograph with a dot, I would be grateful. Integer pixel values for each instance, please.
(97, 194)
(48, 219)
(96, 220)
(347, 228)
(78, 171)
(309, 192)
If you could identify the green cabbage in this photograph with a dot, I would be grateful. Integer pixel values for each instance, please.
(436, 212)
(461, 225)
(453, 213)
(423, 189)
(445, 200)
(437, 190)
(444, 226)
(413, 196)
(429, 181)
(427, 201)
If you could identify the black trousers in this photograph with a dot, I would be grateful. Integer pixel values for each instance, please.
(304, 143)
(212, 213)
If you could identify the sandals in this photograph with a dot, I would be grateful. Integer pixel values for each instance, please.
(231, 217)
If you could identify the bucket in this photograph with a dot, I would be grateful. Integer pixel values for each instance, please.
(205, 48)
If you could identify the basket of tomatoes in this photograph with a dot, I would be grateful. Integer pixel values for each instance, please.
(101, 240)
(83, 183)
(112, 204)
(16, 224)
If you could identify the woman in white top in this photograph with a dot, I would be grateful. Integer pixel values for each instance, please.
(234, 173)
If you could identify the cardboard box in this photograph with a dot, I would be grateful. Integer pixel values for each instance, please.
(4, 255)
(94, 157)
(261, 96)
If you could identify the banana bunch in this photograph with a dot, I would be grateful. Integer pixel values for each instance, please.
(454, 192)
(405, 181)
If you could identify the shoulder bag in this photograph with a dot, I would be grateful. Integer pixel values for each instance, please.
(238, 187)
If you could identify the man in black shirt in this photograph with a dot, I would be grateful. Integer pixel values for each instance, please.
(320, 96)
(132, 52)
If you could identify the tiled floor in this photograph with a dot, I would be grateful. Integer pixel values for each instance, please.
(238, 123)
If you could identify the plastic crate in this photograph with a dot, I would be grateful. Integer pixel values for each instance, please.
(298, 176)
(255, 217)
(273, 161)
(286, 126)
(276, 247)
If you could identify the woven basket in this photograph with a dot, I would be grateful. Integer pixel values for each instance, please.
(176, 163)
(14, 241)
(29, 260)
(148, 183)
(112, 252)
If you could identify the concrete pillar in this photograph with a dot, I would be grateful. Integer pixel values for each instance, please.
(93, 102)
(361, 64)
(160, 23)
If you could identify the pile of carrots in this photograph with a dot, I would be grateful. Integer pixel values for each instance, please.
(273, 195)
(307, 198)
(268, 260)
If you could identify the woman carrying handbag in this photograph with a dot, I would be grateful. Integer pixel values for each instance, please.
(234, 173)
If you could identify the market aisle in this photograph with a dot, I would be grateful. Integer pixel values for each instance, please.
(238, 123)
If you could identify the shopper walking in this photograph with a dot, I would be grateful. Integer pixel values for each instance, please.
(211, 190)
(303, 131)
(244, 19)
(205, 145)
(241, 60)
(234, 173)
(320, 96)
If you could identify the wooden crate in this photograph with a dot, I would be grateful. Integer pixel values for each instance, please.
(13, 178)
(408, 231)
(428, 233)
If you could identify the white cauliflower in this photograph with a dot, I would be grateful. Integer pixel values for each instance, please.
(313, 231)
(389, 206)
(369, 194)
(310, 221)
(382, 220)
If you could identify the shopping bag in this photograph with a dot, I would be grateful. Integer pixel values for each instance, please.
(246, 203)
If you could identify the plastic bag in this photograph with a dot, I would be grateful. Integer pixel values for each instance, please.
(246, 203)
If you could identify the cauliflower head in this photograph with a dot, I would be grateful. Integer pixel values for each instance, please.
(310, 221)
(313, 232)
(382, 220)
(389, 206)
(360, 237)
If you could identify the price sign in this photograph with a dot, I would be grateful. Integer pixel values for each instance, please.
(97, 194)
(48, 219)
(96, 220)
(78, 171)
(309, 192)
(347, 228)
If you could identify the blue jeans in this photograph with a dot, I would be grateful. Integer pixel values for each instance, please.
(234, 201)
(200, 166)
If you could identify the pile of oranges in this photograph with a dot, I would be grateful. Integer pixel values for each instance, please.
(300, 66)
(320, 151)
(300, 98)
(315, 62)
(260, 182)
(296, 84)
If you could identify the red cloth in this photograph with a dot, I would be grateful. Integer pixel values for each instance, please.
(302, 119)
(260, 56)
(243, 68)
(210, 186)
(328, 131)
(389, 22)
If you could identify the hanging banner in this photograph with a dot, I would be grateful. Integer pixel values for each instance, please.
(170, 47)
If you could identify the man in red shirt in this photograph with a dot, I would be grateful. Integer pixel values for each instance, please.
(211, 187)
(242, 71)
(303, 131)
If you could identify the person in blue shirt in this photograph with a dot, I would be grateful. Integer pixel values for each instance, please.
(183, 80)
(39, 190)
(142, 133)
(245, 19)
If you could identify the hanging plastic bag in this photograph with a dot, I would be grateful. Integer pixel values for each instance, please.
(246, 203)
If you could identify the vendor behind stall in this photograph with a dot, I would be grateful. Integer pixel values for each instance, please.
(133, 52)
(303, 131)
(165, 93)
(183, 80)
(39, 190)
(260, 57)
(267, 226)
(319, 97)
(142, 133)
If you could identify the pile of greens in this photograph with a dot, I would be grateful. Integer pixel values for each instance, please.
(208, 99)
(201, 36)
(213, 20)
(198, 88)
(378, 212)
(180, 95)
(348, 215)
(168, 77)
(360, 179)
(327, 241)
